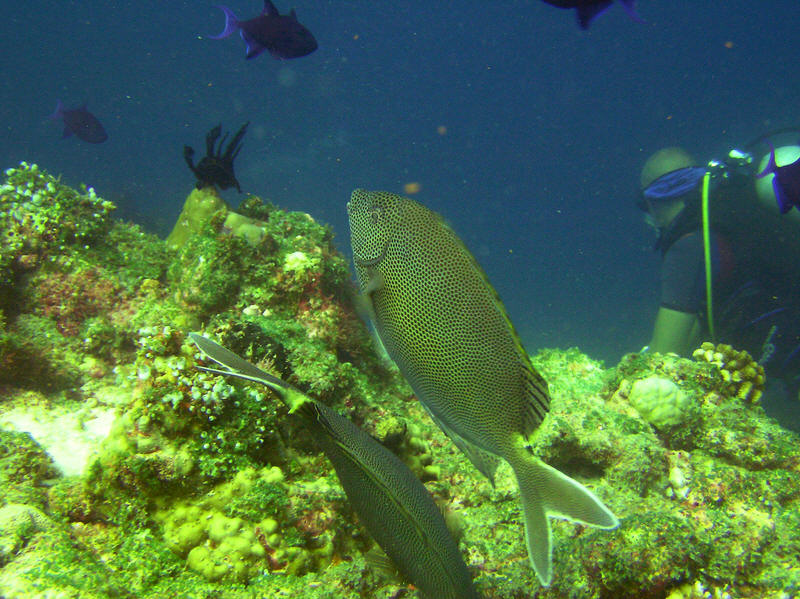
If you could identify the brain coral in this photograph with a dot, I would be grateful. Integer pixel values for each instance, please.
(660, 401)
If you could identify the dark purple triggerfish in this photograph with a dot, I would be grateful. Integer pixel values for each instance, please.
(589, 9)
(283, 36)
(785, 183)
(80, 122)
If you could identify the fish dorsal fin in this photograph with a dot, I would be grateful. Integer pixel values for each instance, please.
(537, 399)
(269, 9)
(484, 461)
(293, 15)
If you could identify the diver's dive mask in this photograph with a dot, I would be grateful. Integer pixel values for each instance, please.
(677, 183)
(671, 186)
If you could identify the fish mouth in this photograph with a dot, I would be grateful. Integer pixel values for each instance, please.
(371, 261)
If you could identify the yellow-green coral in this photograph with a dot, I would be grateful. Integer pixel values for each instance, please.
(660, 401)
(241, 529)
(200, 206)
(218, 546)
(742, 375)
(698, 591)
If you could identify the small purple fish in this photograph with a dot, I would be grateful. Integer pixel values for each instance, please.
(81, 122)
(283, 36)
(589, 9)
(785, 183)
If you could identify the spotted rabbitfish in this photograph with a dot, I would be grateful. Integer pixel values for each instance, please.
(446, 328)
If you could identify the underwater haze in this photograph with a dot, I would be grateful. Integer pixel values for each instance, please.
(526, 133)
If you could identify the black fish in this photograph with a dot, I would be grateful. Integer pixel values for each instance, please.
(81, 122)
(216, 168)
(589, 9)
(281, 35)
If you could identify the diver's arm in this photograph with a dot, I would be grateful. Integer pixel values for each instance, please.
(675, 331)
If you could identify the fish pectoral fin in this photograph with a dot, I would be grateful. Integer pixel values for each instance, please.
(484, 461)
(374, 283)
(546, 492)
(383, 565)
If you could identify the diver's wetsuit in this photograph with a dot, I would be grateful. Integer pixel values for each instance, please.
(752, 309)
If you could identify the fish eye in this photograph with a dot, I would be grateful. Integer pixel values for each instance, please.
(375, 213)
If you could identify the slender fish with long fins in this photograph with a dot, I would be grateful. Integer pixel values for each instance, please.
(445, 327)
(391, 503)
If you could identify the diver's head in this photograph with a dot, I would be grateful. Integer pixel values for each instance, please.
(662, 162)
(764, 189)
(667, 178)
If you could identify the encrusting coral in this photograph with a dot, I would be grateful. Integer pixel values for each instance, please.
(205, 487)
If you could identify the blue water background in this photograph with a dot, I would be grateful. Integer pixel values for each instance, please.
(546, 126)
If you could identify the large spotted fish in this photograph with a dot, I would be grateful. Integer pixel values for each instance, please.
(390, 501)
(445, 327)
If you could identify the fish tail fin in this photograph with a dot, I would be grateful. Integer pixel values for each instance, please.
(547, 493)
(231, 23)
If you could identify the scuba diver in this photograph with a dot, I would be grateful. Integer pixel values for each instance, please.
(730, 270)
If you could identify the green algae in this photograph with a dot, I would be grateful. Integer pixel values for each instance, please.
(24, 465)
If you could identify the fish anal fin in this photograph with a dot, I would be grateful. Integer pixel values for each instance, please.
(587, 13)
(484, 461)
(630, 8)
(251, 45)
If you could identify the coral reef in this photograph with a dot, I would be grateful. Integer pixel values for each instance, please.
(202, 487)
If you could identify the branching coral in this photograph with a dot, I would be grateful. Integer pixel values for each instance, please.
(743, 377)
